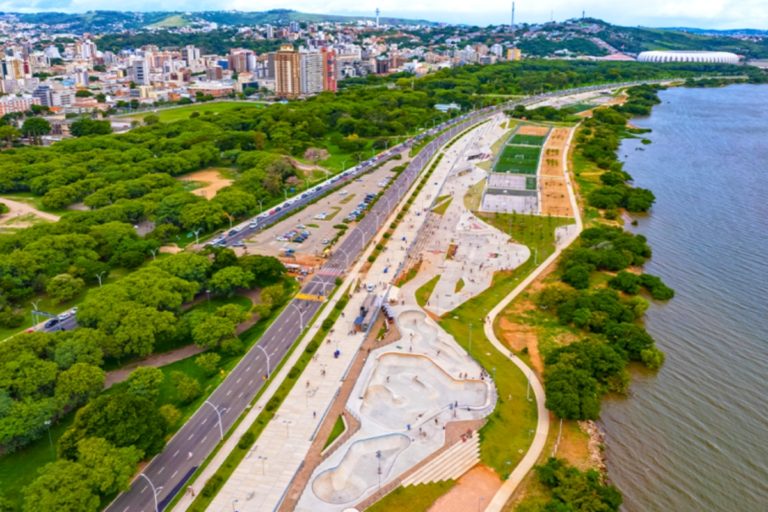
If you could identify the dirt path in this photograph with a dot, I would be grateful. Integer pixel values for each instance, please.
(155, 361)
(19, 209)
(554, 191)
(211, 178)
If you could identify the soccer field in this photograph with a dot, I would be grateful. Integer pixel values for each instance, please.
(518, 159)
(531, 140)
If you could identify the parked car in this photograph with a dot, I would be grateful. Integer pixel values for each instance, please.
(51, 323)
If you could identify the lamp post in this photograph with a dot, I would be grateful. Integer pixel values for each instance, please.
(99, 276)
(267, 355)
(470, 339)
(197, 235)
(155, 490)
(50, 439)
(218, 414)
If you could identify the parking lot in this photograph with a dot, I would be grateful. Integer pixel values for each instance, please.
(307, 233)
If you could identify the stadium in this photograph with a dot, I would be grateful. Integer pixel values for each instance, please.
(688, 56)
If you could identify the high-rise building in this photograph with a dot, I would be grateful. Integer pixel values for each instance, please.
(190, 54)
(44, 94)
(139, 71)
(311, 72)
(287, 72)
(329, 70)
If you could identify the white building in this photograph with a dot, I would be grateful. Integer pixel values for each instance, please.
(689, 56)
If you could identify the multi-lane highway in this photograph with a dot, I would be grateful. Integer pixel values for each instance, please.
(169, 471)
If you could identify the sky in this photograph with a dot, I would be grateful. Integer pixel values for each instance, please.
(716, 14)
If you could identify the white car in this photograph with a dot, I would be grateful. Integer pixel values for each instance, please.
(370, 287)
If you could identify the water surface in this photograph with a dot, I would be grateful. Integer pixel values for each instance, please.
(694, 437)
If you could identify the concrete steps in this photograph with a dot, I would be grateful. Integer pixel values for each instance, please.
(449, 465)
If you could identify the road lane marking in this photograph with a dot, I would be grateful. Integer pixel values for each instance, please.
(161, 470)
(206, 437)
(249, 366)
(204, 420)
(175, 473)
(143, 489)
(176, 453)
(229, 392)
(238, 380)
(190, 437)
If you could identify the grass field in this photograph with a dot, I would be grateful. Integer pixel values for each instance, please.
(171, 115)
(531, 140)
(442, 207)
(530, 183)
(518, 159)
(414, 498)
(423, 293)
(338, 429)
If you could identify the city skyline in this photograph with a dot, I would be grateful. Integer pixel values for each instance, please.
(711, 14)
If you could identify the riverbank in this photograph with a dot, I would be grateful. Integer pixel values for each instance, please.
(553, 338)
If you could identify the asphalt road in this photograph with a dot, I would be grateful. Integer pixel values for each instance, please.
(168, 472)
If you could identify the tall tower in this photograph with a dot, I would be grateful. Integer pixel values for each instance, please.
(377, 17)
(512, 20)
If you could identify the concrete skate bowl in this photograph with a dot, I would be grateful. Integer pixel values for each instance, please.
(416, 321)
(366, 464)
(409, 389)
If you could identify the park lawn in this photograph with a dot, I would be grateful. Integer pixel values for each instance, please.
(412, 272)
(338, 428)
(414, 498)
(442, 207)
(530, 140)
(459, 285)
(535, 231)
(425, 290)
(518, 159)
(171, 115)
(507, 434)
(347, 198)
(19, 468)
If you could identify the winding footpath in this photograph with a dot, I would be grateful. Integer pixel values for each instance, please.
(542, 427)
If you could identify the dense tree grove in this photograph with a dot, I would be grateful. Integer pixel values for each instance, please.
(572, 490)
(45, 375)
(598, 141)
(576, 376)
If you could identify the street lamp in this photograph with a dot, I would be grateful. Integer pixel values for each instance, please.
(47, 424)
(99, 276)
(218, 413)
(265, 353)
(155, 490)
(263, 459)
(197, 235)
(470, 339)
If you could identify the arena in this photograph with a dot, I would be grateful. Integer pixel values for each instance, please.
(687, 56)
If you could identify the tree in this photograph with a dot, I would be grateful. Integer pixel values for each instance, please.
(78, 383)
(572, 490)
(571, 393)
(123, 419)
(9, 134)
(187, 388)
(186, 265)
(87, 126)
(212, 330)
(145, 381)
(110, 468)
(81, 345)
(577, 276)
(265, 269)
(35, 128)
(64, 287)
(151, 119)
(63, 486)
(226, 280)
(208, 362)
(626, 282)
(171, 415)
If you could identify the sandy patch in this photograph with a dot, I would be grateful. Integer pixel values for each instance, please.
(554, 191)
(473, 491)
(211, 179)
(529, 129)
(170, 249)
(23, 215)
